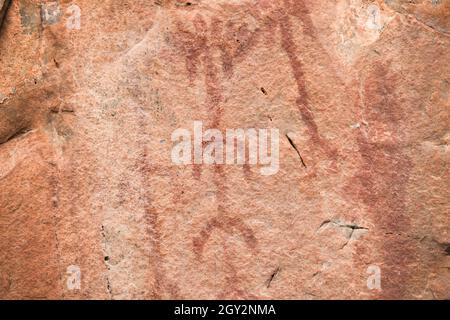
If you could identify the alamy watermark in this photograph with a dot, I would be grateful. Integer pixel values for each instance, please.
(232, 147)
(73, 277)
(374, 279)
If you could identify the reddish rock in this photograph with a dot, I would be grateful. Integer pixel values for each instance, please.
(92, 206)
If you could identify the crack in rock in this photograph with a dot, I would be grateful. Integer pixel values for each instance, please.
(293, 145)
(4, 4)
(352, 230)
(272, 276)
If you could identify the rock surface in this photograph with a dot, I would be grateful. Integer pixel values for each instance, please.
(91, 92)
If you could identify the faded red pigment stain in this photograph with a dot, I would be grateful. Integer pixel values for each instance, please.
(213, 91)
(247, 170)
(233, 279)
(227, 225)
(298, 8)
(212, 82)
(192, 45)
(288, 45)
(161, 287)
(233, 42)
(197, 171)
(153, 227)
(382, 177)
(236, 43)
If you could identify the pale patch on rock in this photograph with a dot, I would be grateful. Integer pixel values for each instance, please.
(358, 26)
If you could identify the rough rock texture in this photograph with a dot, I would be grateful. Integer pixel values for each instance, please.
(358, 89)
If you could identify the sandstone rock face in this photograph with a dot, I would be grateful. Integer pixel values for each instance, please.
(92, 205)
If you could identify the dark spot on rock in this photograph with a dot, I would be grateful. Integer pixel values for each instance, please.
(30, 16)
(3, 8)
